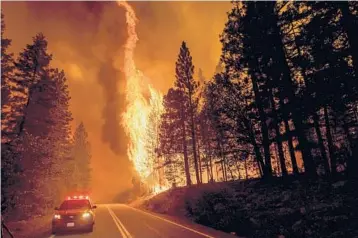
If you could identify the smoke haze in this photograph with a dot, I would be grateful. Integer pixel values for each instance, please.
(86, 38)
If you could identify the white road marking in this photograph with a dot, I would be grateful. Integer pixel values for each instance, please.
(151, 228)
(124, 228)
(123, 234)
(177, 224)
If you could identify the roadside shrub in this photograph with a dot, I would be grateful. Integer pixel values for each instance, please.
(220, 210)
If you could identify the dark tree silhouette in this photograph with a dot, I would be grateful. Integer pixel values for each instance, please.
(173, 137)
(188, 87)
(82, 158)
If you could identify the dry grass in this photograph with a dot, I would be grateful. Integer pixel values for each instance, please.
(37, 227)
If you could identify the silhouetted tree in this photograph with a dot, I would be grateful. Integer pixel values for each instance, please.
(188, 87)
(7, 68)
(173, 135)
(82, 157)
(8, 170)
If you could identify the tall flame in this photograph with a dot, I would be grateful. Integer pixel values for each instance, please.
(137, 119)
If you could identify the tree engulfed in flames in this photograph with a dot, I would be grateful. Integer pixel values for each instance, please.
(137, 117)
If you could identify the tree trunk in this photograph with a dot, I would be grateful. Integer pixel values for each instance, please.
(211, 168)
(330, 143)
(320, 142)
(223, 170)
(217, 172)
(199, 161)
(246, 174)
(310, 168)
(291, 148)
(207, 171)
(230, 171)
(194, 140)
(278, 138)
(185, 151)
(267, 169)
(238, 168)
(256, 148)
(352, 161)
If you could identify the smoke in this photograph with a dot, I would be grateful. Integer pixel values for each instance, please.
(108, 79)
(87, 39)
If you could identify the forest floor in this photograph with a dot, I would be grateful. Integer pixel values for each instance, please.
(35, 227)
(254, 208)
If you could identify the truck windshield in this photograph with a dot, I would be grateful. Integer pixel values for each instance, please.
(75, 204)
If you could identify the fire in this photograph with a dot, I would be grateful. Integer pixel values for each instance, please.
(137, 119)
(158, 189)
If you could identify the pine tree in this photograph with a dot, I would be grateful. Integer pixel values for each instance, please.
(330, 86)
(7, 69)
(188, 87)
(173, 135)
(8, 169)
(30, 95)
(61, 169)
(31, 66)
(82, 158)
(241, 40)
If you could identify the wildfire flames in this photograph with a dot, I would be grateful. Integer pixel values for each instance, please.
(136, 118)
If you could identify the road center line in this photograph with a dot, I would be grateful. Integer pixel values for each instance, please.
(123, 234)
(120, 223)
(177, 224)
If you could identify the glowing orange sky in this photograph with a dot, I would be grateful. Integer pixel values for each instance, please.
(85, 36)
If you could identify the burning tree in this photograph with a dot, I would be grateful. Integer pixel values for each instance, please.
(142, 118)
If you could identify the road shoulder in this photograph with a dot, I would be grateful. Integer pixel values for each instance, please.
(180, 221)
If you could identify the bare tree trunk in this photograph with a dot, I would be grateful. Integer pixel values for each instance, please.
(217, 172)
(352, 161)
(281, 156)
(230, 171)
(185, 151)
(194, 145)
(238, 168)
(291, 149)
(223, 169)
(267, 169)
(207, 170)
(246, 173)
(199, 161)
(277, 160)
(330, 143)
(297, 118)
(256, 148)
(211, 168)
(321, 143)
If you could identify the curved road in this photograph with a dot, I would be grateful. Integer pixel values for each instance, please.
(122, 221)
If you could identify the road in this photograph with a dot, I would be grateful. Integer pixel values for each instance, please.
(122, 221)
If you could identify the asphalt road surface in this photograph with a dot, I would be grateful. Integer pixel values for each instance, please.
(122, 221)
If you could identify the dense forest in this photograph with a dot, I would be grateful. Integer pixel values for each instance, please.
(41, 159)
(271, 139)
(282, 105)
(283, 100)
